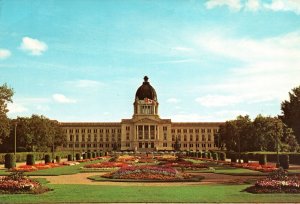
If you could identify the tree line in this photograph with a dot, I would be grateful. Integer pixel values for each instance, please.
(35, 133)
(265, 133)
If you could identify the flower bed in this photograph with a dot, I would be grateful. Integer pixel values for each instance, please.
(278, 182)
(255, 166)
(17, 183)
(106, 165)
(149, 173)
(187, 165)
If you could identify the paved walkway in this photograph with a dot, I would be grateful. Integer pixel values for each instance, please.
(209, 178)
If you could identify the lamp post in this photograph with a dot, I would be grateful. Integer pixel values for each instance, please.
(277, 145)
(15, 143)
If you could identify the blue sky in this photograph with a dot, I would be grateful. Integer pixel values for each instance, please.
(211, 60)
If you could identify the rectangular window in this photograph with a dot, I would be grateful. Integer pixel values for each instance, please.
(165, 128)
(165, 144)
(173, 131)
(185, 138)
(140, 145)
(178, 130)
(95, 130)
(202, 130)
(89, 131)
(82, 130)
(191, 130)
(77, 138)
(82, 145)
(184, 131)
(83, 138)
(95, 138)
(191, 137)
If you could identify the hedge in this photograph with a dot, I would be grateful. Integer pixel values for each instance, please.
(222, 156)
(57, 158)
(30, 160)
(284, 161)
(22, 156)
(262, 159)
(47, 159)
(10, 161)
(78, 157)
(215, 156)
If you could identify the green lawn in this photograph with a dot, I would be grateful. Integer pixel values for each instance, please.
(201, 193)
(63, 170)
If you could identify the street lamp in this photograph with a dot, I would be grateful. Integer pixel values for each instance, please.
(277, 144)
(15, 146)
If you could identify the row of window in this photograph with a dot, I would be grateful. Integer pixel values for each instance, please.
(94, 145)
(192, 145)
(93, 130)
(203, 130)
(89, 138)
(209, 138)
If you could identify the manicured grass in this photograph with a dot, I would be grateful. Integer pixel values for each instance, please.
(64, 170)
(3, 172)
(201, 193)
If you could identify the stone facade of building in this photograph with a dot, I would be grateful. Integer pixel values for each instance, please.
(144, 132)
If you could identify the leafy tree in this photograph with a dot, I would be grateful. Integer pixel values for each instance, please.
(35, 133)
(266, 132)
(6, 94)
(291, 112)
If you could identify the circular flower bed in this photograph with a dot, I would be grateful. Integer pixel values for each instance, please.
(148, 173)
(278, 182)
(17, 183)
(106, 165)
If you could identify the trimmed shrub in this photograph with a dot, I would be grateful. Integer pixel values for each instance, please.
(245, 158)
(84, 156)
(198, 154)
(10, 161)
(30, 160)
(93, 154)
(222, 156)
(208, 155)
(78, 157)
(263, 159)
(233, 158)
(89, 155)
(203, 154)
(47, 159)
(106, 153)
(215, 156)
(284, 161)
(101, 154)
(70, 157)
(57, 158)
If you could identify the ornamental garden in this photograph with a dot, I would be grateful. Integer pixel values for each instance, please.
(112, 176)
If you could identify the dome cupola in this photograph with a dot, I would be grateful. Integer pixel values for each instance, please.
(146, 91)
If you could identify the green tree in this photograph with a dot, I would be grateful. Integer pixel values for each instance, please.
(6, 94)
(291, 112)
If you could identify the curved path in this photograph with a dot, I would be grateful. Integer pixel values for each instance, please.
(81, 178)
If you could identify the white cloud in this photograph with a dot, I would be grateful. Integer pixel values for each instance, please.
(84, 83)
(33, 46)
(218, 100)
(173, 100)
(284, 5)
(269, 68)
(234, 5)
(253, 5)
(16, 108)
(60, 98)
(4, 53)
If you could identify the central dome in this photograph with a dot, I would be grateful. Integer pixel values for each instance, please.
(146, 91)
